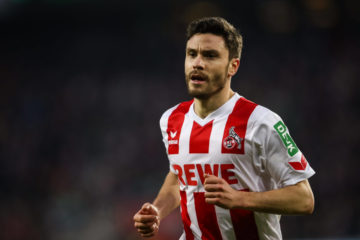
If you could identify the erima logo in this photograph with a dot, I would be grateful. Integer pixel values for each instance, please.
(286, 139)
(173, 141)
(173, 134)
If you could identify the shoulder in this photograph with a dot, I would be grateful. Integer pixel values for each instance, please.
(268, 128)
(178, 110)
(264, 116)
(254, 113)
(262, 121)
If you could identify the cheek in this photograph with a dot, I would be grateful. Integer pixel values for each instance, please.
(187, 66)
(222, 71)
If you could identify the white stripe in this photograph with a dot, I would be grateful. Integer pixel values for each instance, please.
(185, 136)
(192, 215)
(216, 137)
(268, 226)
(225, 223)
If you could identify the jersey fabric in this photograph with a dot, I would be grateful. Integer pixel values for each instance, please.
(245, 144)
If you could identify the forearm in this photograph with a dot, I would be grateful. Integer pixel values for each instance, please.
(169, 197)
(296, 199)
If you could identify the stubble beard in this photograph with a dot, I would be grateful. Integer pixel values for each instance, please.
(214, 86)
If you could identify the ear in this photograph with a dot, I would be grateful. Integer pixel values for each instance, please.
(233, 66)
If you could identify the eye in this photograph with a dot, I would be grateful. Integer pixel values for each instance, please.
(191, 53)
(210, 54)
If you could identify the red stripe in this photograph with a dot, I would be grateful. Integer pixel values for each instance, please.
(244, 224)
(206, 217)
(175, 122)
(185, 216)
(200, 138)
(238, 119)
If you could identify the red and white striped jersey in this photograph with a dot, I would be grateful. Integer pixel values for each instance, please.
(244, 143)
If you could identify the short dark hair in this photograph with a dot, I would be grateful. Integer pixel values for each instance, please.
(220, 27)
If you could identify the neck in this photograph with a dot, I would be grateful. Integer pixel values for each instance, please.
(203, 107)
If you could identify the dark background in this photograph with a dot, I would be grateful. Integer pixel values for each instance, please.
(84, 83)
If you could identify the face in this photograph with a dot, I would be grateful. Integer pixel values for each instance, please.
(207, 66)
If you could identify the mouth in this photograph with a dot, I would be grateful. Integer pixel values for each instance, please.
(197, 78)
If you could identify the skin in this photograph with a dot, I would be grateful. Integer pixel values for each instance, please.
(292, 200)
(147, 219)
(207, 58)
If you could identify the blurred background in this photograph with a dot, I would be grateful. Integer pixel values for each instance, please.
(83, 85)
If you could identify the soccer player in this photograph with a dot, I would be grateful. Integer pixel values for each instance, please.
(234, 168)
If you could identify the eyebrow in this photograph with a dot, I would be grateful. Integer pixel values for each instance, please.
(210, 51)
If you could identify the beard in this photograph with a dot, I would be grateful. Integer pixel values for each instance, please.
(211, 87)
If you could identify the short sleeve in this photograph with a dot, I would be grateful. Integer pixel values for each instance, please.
(283, 160)
(163, 128)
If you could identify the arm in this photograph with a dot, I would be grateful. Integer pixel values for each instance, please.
(169, 197)
(294, 199)
(147, 219)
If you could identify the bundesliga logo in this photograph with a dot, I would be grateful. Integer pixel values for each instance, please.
(232, 140)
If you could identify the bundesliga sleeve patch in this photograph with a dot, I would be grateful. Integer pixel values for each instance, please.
(299, 166)
(289, 143)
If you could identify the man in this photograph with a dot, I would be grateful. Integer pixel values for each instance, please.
(234, 169)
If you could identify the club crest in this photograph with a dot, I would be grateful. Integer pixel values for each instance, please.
(232, 140)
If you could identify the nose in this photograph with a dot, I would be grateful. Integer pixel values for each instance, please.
(198, 62)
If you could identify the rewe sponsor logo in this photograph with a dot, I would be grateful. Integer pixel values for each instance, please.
(194, 173)
(286, 139)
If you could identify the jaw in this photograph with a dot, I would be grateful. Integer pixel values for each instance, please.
(207, 85)
(204, 91)
(197, 88)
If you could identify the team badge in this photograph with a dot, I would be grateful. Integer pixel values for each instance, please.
(232, 140)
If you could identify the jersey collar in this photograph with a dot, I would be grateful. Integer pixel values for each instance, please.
(224, 110)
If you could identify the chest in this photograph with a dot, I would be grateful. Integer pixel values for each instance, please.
(225, 135)
(219, 147)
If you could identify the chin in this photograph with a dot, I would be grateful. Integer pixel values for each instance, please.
(204, 93)
(198, 94)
